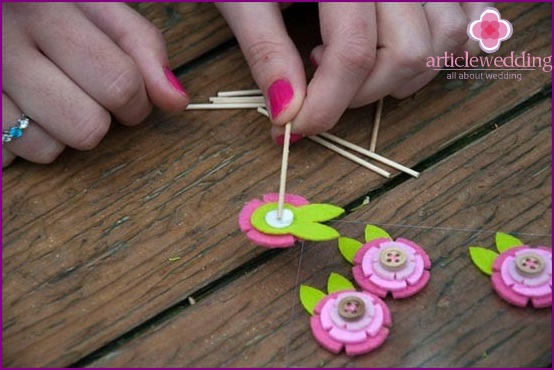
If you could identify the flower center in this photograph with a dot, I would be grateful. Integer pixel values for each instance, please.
(351, 308)
(530, 263)
(392, 259)
(273, 221)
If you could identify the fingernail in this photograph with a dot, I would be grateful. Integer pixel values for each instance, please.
(174, 81)
(313, 61)
(280, 140)
(280, 95)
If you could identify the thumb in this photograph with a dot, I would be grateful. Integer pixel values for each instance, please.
(271, 55)
(144, 43)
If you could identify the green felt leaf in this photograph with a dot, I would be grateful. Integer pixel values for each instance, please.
(258, 220)
(310, 297)
(337, 282)
(317, 212)
(505, 242)
(313, 231)
(373, 232)
(483, 258)
(349, 247)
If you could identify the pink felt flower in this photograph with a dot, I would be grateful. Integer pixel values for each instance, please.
(490, 30)
(400, 267)
(262, 239)
(356, 321)
(524, 274)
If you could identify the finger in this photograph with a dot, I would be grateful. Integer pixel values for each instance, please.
(271, 55)
(91, 59)
(402, 54)
(447, 23)
(473, 12)
(347, 57)
(47, 95)
(35, 145)
(145, 44)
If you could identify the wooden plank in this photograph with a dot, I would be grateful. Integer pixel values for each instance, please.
(500, 182)
(189, 29)
(87, 240)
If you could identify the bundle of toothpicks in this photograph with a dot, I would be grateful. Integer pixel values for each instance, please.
(253, 99)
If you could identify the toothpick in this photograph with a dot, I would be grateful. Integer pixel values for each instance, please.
(350, 156)
(376, 124)
(284, 166)
(239, 99)
(240, 93)
(372, 155)
(224, 106)
(340, 151)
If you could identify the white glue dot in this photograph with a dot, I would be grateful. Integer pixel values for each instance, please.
(273, 221)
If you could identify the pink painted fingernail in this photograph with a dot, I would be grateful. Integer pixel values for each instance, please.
(174, 81)
(280, 140)
(280, 95)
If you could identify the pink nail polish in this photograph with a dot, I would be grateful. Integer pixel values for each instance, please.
(280, 95)
(280, 140)
(174, 81)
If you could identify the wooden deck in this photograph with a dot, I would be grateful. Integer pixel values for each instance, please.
(130, 254)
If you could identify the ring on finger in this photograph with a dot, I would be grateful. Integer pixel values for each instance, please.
(17, 130)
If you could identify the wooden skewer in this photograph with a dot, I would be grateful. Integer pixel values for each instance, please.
(284, 166)
(372, 155)
(376, 124)
(240, 93)
(340, 151)
(224, 106)
(350, 156)
(238, 99)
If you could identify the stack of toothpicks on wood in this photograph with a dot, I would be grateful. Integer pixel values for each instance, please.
(253, 99)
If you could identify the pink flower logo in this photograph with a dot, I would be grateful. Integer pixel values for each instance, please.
(519, 274)
(490, 30)
(383, 265)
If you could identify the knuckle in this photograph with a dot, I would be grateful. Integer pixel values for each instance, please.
(263, 52)
(49, 153)
(321, 121)
(413, 62)
(91, 129)
(356, 54)
(123, 86)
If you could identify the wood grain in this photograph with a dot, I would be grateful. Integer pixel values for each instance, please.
(87, 241)
(500, 182)
(189, 29)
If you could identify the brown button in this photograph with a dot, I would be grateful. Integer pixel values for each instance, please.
(530, 263)
(351, 308)
(392, 258)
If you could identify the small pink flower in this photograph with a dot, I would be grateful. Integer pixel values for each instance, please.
(524, 274)
(356, 321)
(259, 238)
(400, 267)
(490, 30)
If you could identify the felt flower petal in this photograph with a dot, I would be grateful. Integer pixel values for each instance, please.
(418, 250)
(387, 284)
(376, 323)
(323, 338)
(542, 302)
(508, 273)
(418, 271)
(506, 293)
(270, 241)
(292, 199)
(368, 345)
(246, 213)
(326, 321)
(533, 292)
(345, 336)
(366, 284)
(410, 290)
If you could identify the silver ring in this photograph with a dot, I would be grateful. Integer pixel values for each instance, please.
(17, 130)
